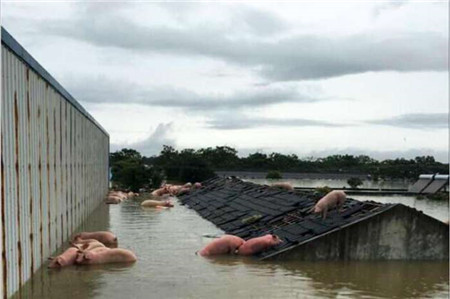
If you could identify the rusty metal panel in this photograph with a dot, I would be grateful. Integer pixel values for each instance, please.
(2, 181)
(54, 166)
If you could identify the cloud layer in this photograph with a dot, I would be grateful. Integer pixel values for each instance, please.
(416, 121)
(153, 144)
(104, 90)
(286, 58)
(246, 122)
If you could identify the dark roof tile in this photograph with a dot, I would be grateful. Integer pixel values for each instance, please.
(249, 210)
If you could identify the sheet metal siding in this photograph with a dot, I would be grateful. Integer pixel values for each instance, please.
(54, 170)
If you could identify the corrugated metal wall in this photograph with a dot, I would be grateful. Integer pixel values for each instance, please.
(54, 168)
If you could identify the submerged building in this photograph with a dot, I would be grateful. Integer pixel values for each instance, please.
(363, 230)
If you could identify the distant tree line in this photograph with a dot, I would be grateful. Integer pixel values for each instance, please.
(133, 170)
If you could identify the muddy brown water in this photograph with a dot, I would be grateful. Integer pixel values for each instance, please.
(165, 242)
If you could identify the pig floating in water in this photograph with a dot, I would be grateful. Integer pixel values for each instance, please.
(107, 238)
(106, 256)
(87, 245)
(66, 258)
(224, 245)
(113, 199)
(150, 203)
(259, 244)
(335, 198)
(285, 186)
(161, 191)
(132, 194)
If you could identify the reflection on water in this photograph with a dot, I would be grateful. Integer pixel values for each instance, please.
(165, 242)
(339, 183)
(434, 208)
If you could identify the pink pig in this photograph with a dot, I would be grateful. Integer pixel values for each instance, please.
(106, 256)
(113, 199)
(335, 198)
(285, 186)
(81, 253)
(150, 203)
(257, 245)
(87, 245)
(161, 191)
(66, 258)
(107, 238)
(223, 245)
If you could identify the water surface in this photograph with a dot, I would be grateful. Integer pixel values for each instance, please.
(165, 242)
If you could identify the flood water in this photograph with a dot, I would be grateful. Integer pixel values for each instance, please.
(337, 183)
(165, 242)
(436, 209)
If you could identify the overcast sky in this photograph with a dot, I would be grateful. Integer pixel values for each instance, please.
(309, 78)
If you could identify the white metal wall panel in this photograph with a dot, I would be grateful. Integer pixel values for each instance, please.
(54, 169)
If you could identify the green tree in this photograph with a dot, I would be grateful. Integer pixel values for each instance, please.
(130, 172)
(221, 157)
(184, 166)
(274, 174)
(256, 161)
(283, 162)
(354, 182)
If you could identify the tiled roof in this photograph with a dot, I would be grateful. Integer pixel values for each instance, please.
(249, 210)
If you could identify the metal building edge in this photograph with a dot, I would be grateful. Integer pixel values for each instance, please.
(11, 43)
(54, 169)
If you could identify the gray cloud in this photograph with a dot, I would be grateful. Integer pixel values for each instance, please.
(416, 121)
(242, 18)
(238, 121)
(387, 6)
(257, 22)
(105, 90)
(294, 58)
(153, 144)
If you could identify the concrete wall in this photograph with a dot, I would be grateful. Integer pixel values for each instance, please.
(400, 233)
(54, 165)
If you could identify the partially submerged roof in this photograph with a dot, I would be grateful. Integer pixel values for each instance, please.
(430, 183)
(438, 183)
(249, 210)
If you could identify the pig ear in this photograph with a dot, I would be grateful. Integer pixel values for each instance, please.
(58, 262)
(76, 246)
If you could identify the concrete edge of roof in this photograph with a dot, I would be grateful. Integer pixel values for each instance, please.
(383, 210)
